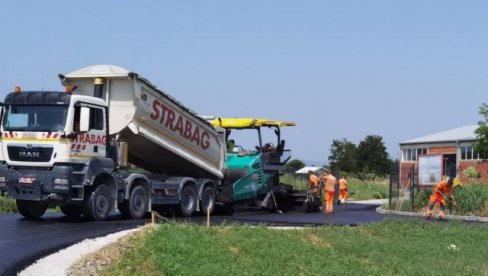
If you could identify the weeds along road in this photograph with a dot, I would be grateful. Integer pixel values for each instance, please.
(23, 241)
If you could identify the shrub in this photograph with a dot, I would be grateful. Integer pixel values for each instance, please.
(7, 205)
(472, 174)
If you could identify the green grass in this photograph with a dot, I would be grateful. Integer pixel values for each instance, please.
(7, 205)
(393, 247)
(362, 189)
(367, 189)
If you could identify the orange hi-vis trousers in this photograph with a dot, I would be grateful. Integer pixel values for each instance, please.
(329, 201)
(343, 195)
(436, 198)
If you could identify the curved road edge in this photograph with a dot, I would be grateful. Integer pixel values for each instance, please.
(383, 211)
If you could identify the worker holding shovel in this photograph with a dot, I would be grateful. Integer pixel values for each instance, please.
(441, 189)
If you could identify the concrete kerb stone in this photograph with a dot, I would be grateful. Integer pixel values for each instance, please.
(383, 211)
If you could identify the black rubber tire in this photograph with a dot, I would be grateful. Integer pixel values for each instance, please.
(208, 200)
(97, 206)
(72, 211)
(31, 209)
(136, 206)
(188, 201)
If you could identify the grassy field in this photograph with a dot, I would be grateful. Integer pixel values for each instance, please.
(360, 190)
(393, 247)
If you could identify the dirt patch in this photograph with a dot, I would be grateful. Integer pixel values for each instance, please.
(238, 252)
(318, 241)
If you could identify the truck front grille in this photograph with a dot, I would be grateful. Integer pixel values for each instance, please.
(30, 154)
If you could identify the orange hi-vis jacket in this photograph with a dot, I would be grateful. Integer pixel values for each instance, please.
(314, 183)
(313, 180)
(342, 184)
(330, 183)
(439, 191)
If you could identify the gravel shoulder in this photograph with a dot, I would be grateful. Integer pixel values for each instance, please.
(60, 263)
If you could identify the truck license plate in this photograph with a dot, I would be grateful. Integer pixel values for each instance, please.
(27, 180)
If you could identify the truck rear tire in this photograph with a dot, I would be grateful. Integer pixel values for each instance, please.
(208, 200)
(97, 206)
(31, 209)
(188, 201)
(71, 211)
(136, 206)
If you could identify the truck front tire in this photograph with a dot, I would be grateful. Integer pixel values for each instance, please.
(136, 206)
(31, 209)
(97, 206)
(71, 211)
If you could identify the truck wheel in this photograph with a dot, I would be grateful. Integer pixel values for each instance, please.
(71, 211)
(208, 200)
(188, 201)
(97, 206)
(31, 209)
(136, 206)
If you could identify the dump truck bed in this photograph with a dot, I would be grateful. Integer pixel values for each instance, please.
(163, 135)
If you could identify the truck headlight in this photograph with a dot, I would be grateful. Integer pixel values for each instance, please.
(60, 184)
(2, 181)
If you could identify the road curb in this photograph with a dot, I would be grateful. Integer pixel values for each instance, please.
(383, 211)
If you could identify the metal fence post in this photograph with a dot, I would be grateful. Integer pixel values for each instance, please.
(391, 187)
(412, 188)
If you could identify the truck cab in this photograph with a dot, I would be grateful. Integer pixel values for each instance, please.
(53, 144)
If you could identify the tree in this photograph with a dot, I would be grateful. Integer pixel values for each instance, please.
(294, 165)
(481, 143)
(372, 156)
(342, 155)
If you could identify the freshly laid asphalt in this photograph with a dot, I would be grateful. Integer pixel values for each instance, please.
(23, 241)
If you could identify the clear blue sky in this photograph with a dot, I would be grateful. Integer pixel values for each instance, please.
(339, 69)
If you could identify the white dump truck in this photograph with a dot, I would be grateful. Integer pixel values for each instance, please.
(72, 149)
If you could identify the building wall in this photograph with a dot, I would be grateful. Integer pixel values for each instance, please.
(480, 165)
(405, 169)
(442, 150)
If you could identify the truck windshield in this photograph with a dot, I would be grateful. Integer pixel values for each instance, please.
(35, 118)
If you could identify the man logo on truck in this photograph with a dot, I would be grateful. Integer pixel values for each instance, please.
(168, 118)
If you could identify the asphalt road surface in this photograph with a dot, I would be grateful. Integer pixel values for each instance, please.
(24, 241)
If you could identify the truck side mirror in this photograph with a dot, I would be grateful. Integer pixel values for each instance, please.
(84, 119)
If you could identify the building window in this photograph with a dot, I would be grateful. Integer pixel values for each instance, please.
(468, 153)
(413, 154)
(421, 151)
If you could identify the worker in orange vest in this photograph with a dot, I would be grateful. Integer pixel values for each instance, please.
(313, 181)
(343, 190)
(441, 189)
(329, 190)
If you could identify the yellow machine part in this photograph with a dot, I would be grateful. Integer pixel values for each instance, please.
(248, 123)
